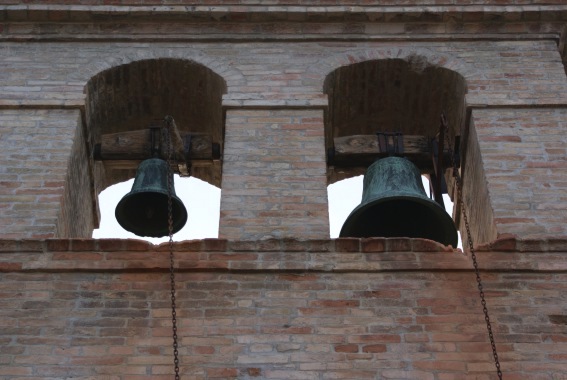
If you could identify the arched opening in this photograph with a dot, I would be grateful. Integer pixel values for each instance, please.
(131, 98)
(392, 107)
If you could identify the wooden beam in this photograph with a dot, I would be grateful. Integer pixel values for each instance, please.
(368, 144)
(362, 150)
(136, 145)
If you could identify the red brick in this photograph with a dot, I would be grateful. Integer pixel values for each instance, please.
(504, 243)
(30, 245)
(137, 245)
(111, 244)
(374, 348)
(269, 245)
(183, 246)
(76, 256)
(233, 256)
(398, 244)
(319, 245)
(84, 244)
(224, 373)
(334, 303)
(10, 267)
(347, 245)
(424, 245)
(58, 244)
(381, 338)
(204, 350)
(346, 348)
(242, 245)
(287, 330)
(293, 245)
(254, 372)
(299, 277)
(215, 245)
(373, 245)
(9, 245)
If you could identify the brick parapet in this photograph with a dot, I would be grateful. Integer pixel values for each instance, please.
(334, 255)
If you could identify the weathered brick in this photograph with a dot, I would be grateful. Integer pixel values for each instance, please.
(269, 303)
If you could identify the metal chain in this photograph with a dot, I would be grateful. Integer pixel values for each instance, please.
(171, 257)
(459, 183)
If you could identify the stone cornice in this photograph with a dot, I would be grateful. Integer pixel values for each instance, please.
(260, 13)
(20, 23)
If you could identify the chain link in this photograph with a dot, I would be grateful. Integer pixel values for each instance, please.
(171, 256)
(459, 184)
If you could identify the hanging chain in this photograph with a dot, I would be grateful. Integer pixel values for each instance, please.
(169, 122)
(459, 183)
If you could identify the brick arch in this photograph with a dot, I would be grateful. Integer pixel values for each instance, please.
(232, 76)
(421, 57)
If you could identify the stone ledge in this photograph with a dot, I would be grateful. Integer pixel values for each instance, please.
(259, 13)
(333, 255)
(510, 243)
(504, 243)
(222, 245)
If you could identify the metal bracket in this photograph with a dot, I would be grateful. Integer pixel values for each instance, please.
(396, 147)
(155, 141)
(437, 183)
(187, 151)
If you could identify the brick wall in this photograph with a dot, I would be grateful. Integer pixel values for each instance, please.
(44, 185)
(289, 77)
(281, 309)
(274, 175)
(524, 158)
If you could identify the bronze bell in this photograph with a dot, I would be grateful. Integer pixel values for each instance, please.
(394, 204)
(144, 210)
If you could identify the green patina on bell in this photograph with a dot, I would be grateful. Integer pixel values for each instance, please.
(144, 210)
(394, 204)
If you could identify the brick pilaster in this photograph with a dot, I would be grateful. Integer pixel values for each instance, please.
(44, 184)
(274, 175)
(522, 152)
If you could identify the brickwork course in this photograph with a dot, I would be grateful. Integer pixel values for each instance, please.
(274, 83)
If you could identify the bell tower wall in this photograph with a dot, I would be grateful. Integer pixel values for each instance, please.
(274, 297)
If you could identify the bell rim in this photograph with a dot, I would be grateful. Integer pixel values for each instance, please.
(447, 220)
(177, 226)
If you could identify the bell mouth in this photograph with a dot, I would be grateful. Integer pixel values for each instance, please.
(401, 216)
(146, 214)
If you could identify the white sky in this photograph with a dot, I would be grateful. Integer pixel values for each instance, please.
(203, 208)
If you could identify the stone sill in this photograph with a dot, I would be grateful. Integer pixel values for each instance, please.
(333, 255)
(261, 13)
